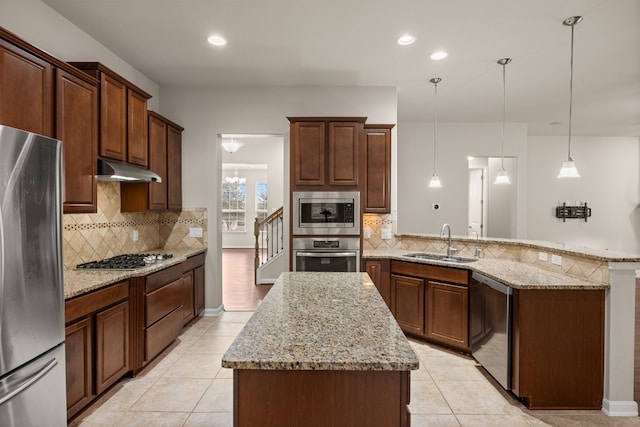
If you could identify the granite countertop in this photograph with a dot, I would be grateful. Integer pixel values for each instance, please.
(322, 321)
(518, 275)
(78, 282)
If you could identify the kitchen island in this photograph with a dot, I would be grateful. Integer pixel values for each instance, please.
(322, 349)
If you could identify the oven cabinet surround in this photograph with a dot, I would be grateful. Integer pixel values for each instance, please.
(96, 343)
(323, 350)
(41, 94)
(165, 159)
(431, 302)
(376, 188)
(123, 116)
(325, 153)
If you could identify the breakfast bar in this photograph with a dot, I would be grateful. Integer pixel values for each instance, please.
(322, 349)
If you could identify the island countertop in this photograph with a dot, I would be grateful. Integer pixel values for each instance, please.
(322, 321)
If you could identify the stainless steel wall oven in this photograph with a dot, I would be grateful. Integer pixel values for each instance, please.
(341, 254)
(326, 213)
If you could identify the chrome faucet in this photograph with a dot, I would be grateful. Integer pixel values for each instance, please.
(478, 248)
(450, 249)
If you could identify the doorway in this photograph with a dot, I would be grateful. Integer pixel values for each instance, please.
(252, 186)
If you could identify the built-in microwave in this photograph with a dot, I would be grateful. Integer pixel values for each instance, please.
(326, 212)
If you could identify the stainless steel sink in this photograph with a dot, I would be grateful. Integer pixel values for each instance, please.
(442, 258)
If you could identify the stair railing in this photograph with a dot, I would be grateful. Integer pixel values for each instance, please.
(269, 236)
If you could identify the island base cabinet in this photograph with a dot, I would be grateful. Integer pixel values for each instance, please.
(558, 348)
(320, 398)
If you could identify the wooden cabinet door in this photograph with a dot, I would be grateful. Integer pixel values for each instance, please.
(112, 345)
(113, 118)
(376, 195)
(158, 163)
(447, 314)
(26, 91)
(198, 289)
(378, 270)
(137, 141)
(344, 139)
(187, 296)
(407, 303)
(79, 365)
(77, 127)
(174, 169)
(307, 153)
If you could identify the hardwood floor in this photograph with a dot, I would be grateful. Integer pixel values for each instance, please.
(239, 292)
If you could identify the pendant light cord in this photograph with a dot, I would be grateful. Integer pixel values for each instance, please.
(570, 93)
(504, 107)
(435, 126)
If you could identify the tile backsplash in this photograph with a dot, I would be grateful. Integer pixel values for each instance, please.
(109, 232)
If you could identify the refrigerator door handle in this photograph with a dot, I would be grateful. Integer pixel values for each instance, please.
(24, 383)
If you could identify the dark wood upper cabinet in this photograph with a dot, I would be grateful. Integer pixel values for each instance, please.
(158, 164)
(165, 159)
(174, 167)
(77, 127)
(123, 116)
(376, 191)
(26, 89)
(325, 152)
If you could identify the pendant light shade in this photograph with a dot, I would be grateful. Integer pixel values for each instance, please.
(568, 169)
(503, 177)
(435, 179)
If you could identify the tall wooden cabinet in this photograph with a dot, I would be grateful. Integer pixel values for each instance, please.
(123, 116)
(376, 190)
(41, 94)
(325, 152)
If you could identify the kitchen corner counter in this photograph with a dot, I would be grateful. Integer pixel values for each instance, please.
(516, 274)
(322, 321)
(78, 282)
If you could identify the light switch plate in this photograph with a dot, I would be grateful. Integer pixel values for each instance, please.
(542, 256)
(195, 232)
(556, 259)
(134, 235)
(386, 233)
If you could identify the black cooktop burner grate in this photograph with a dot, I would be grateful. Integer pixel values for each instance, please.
(124, 262)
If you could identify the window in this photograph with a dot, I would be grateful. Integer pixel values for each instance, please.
(234, 197)
(261, 200)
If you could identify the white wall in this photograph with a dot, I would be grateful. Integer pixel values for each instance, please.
(456, 141)
(38, 24)
(205, 113)
(609, 184)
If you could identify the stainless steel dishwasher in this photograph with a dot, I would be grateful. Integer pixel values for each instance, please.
(491, 315)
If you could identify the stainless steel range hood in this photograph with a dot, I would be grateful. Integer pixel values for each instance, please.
(109, 170)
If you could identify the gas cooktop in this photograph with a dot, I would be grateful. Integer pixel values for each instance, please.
(125, 262)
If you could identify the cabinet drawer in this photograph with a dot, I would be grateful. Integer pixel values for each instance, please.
(94, 301)
(162, 277)
(162, 333)
(193, 262)
(451, 275)
(162, 301)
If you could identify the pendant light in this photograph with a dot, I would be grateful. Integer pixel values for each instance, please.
(435, 179)
(568, 169)
(502, 177)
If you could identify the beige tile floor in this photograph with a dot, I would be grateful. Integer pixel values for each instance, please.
(187, 387)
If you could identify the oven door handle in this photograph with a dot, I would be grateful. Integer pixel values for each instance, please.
(326, 254)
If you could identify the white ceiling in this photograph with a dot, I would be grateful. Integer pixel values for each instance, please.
(353, 42)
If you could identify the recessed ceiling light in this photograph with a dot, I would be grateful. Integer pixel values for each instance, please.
(216, 40)
(436, 56)
(406, 39)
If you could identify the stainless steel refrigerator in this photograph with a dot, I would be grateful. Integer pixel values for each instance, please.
(32, 358)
